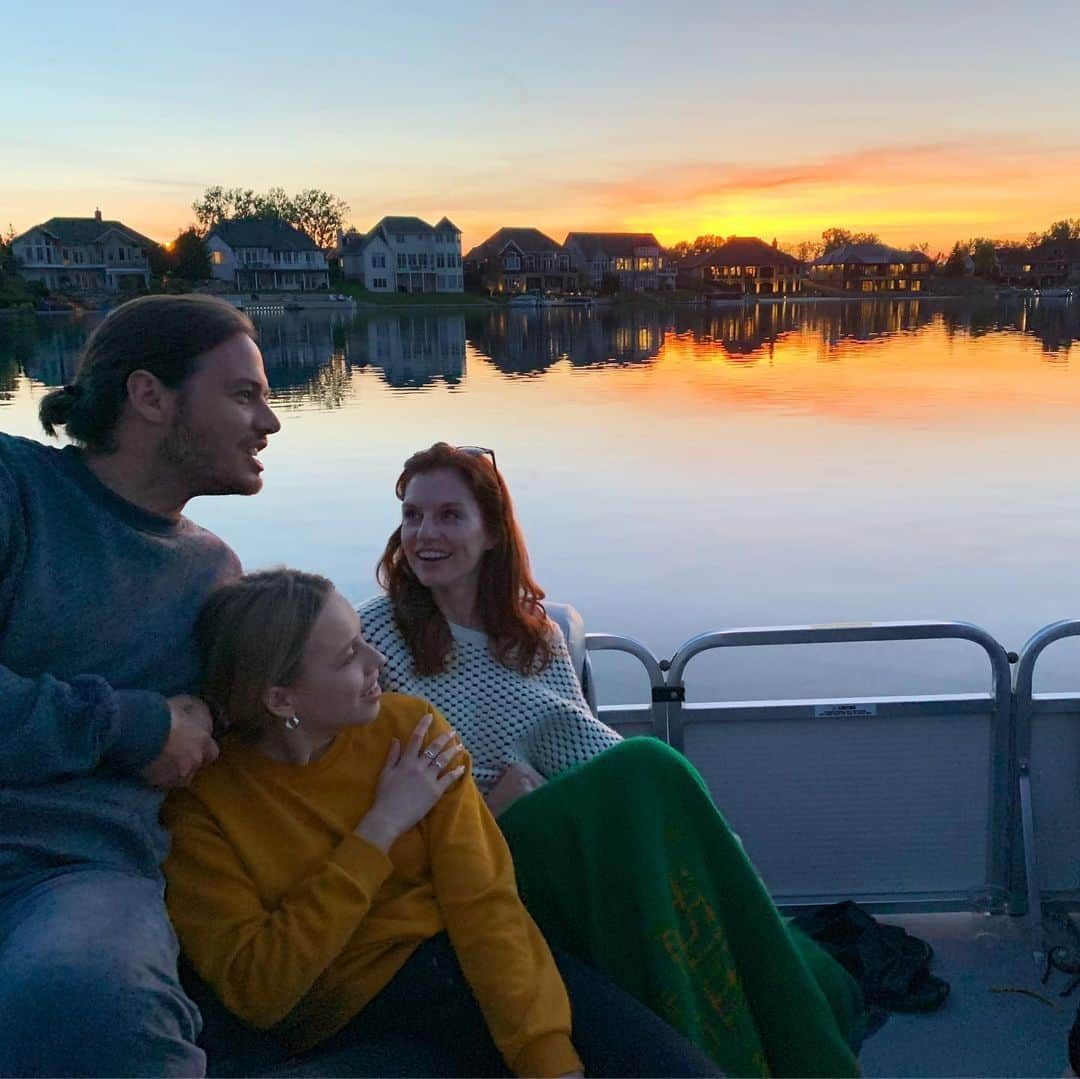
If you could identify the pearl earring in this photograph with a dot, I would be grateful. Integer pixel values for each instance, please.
(292, 723)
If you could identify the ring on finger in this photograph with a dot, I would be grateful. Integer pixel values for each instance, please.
(431, 755)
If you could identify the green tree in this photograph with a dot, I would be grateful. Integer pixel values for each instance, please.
(191, 260)
(225, 204)
(160, 258)
(1067, 228)
(956, 263)
(317, 213)
(982, 251)
(808, 250)
(834, 238)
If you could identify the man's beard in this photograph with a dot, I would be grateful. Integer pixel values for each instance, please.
(199, 470)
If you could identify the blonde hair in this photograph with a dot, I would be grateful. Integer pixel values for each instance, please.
(251, 635)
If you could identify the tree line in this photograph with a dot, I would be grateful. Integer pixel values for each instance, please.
(981, 250)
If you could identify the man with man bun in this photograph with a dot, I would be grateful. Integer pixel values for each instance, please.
(101, 579)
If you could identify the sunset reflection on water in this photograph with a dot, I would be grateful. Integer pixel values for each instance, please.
(692, 469)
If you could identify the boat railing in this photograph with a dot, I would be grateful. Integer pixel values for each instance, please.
(1047, 750)
(918, 802)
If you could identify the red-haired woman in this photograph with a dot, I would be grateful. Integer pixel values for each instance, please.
(620, 854)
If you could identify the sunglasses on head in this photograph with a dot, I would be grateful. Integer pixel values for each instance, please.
(479, 451)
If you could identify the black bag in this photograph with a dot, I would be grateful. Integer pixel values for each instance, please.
(891, 966)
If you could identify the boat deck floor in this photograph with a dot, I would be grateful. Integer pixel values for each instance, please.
(977, 1032)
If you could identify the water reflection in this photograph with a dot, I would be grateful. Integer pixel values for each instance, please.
(311, 356)
(529, 342)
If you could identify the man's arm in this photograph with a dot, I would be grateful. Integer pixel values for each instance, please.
(49, 728)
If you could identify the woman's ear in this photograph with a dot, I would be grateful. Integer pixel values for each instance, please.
(280, 702)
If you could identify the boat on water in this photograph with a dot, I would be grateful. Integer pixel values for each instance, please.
(529, 299)
(954, 815)
(1055, 293)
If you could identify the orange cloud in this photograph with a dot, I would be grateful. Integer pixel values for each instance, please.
(938, 191)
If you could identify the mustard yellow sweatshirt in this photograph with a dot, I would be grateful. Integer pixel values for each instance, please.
(294, 920)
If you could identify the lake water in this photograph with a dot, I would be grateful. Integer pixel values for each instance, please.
(690, 470)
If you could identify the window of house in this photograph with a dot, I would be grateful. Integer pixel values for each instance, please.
(413, 260)
(401, 262)
(217, 257)
(400, 237)
(440, 261)
(378, 261)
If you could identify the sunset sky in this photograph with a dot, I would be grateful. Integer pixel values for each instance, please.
(920, 121)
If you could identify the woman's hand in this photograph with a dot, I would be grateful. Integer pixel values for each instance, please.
(409, 785)
(517, 779)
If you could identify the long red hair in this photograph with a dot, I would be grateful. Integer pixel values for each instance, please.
(509, 601)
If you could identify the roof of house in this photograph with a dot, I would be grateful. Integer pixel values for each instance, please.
(86, 230)
(1056, 249)
(444, 224)
(402, 224)
(740, 251)
(528, 241)
(269, 232)
(611, 244)
(869, 254)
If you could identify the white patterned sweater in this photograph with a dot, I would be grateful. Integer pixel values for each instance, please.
(502, 716)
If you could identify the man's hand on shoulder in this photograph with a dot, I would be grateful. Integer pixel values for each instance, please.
(189, 747)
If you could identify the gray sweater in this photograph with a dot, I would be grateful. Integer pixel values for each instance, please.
(98, 600)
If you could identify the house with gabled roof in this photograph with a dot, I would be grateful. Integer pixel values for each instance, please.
(744, 265)
(84, 254)
(266, 254)
(635, 258)
(872, 268)
(521, 260)
(404, 254)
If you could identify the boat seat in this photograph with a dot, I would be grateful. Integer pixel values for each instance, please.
(572, 625)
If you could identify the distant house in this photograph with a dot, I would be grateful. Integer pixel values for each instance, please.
(404, 254)
(84, 254)
(522, 260)
(1012, 265)
(1055, 262)
(744, 265)
(635, 258)
(872, 268)
(266, 254)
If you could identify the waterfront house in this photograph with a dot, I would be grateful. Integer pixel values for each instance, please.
(1056, 262)
(404, 254)
(266, 254)
(1012, 265)
(636, 259)
(84, 254)
(521, 260)
(744, 265)
(872, 268)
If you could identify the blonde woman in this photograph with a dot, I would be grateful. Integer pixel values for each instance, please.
(337, 879)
